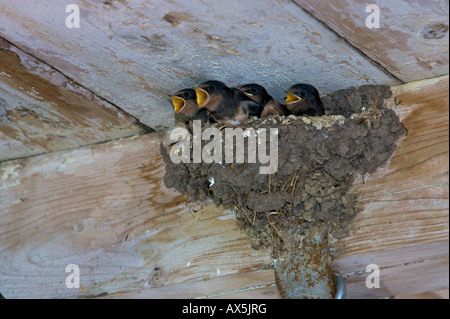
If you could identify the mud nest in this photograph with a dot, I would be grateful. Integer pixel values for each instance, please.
(318, 159)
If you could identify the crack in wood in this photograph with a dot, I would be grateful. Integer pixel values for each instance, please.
(357, 273)
(250, 288)
(403, 191)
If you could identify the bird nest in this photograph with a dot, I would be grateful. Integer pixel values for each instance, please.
(318, 160)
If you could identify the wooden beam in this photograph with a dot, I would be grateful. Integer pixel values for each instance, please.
(104, 207)
(42, 111)
(404, 224)
(134, 53)
(258, 284)
(411, 43)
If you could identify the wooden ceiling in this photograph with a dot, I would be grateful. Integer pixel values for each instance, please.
(134, 53)
(411, 43)
(46, 111)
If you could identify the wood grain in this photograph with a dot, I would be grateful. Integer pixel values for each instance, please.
(404, 224)
(411, 43)
(408, 269)
(258, 284)
(105, 208)
(41, 110)
(135, 53)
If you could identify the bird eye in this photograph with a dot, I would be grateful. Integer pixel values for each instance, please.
(211, 88)
(302, 94)
(186, 95)
(252, 91)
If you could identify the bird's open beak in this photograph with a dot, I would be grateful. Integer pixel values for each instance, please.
(202, 97)
(178, 103)
(291, 98)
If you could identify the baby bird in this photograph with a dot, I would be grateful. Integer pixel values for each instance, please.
(185, 103)
(304, 99)
(259, 94)
(227, 105)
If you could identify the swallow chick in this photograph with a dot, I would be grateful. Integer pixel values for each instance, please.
(185, 103)
(227, 105)
(259, 94)
(205, 116)
(304, 99)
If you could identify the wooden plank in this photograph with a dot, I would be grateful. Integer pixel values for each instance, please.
(404, 269)
(404, 224)
(438, 294)
(134, 53)
(41, 110)
(105, 208)
(411, 43)
(246, 285)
